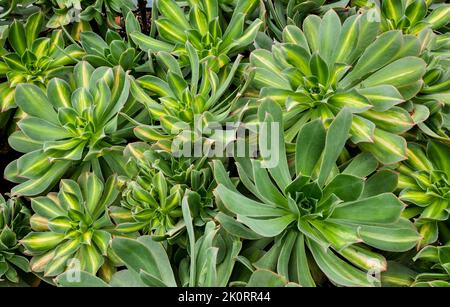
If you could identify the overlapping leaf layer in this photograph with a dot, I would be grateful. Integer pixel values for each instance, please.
(208, 143)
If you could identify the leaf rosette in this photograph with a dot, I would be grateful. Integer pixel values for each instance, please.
(28, 58)
(72, 228)
(317, 71)
(103, 12)
(188, 107)
(434, 267)
(14, 225)
(424, 181)
(199, 23)
(68, 130)
(151, 202)
(324, 215)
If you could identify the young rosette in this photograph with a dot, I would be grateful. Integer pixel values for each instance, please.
(72, 228)
(424, 182)
(187, 105)
(150, 205)
(28, 58)
(287, 12)
(434, 267)
(412, 16)
(68, 130)
(431, 107)
(114, 50)
(426, 21)
(14, 225)
(323, 217)
(326, 66)
(148, 262)
(103, 12)
(200, 23)
(151, 200)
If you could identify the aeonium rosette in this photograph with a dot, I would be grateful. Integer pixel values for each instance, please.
(317, 214)
(327, 65)
(72, 228)
(70, 128)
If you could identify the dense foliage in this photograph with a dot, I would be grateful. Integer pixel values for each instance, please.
(225, 143)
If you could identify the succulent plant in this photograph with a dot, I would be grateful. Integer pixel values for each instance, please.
(411, 16)
(224, 143)
(14, 225)
(437, 260)
(149, 205)
(203, 267)
(152, 269)
(28, 58)
(316, 72)
(151, 202)
(432, 102)
(69, 127)
(200, 24)
(189, 107)
(102, 11)
(72, 227)
(16, 9)
(293, 12)
(425, 20)
(431, 105)
(424, 182)
(114, 51)
(316, 216)
(212, 256)
(211, 261)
